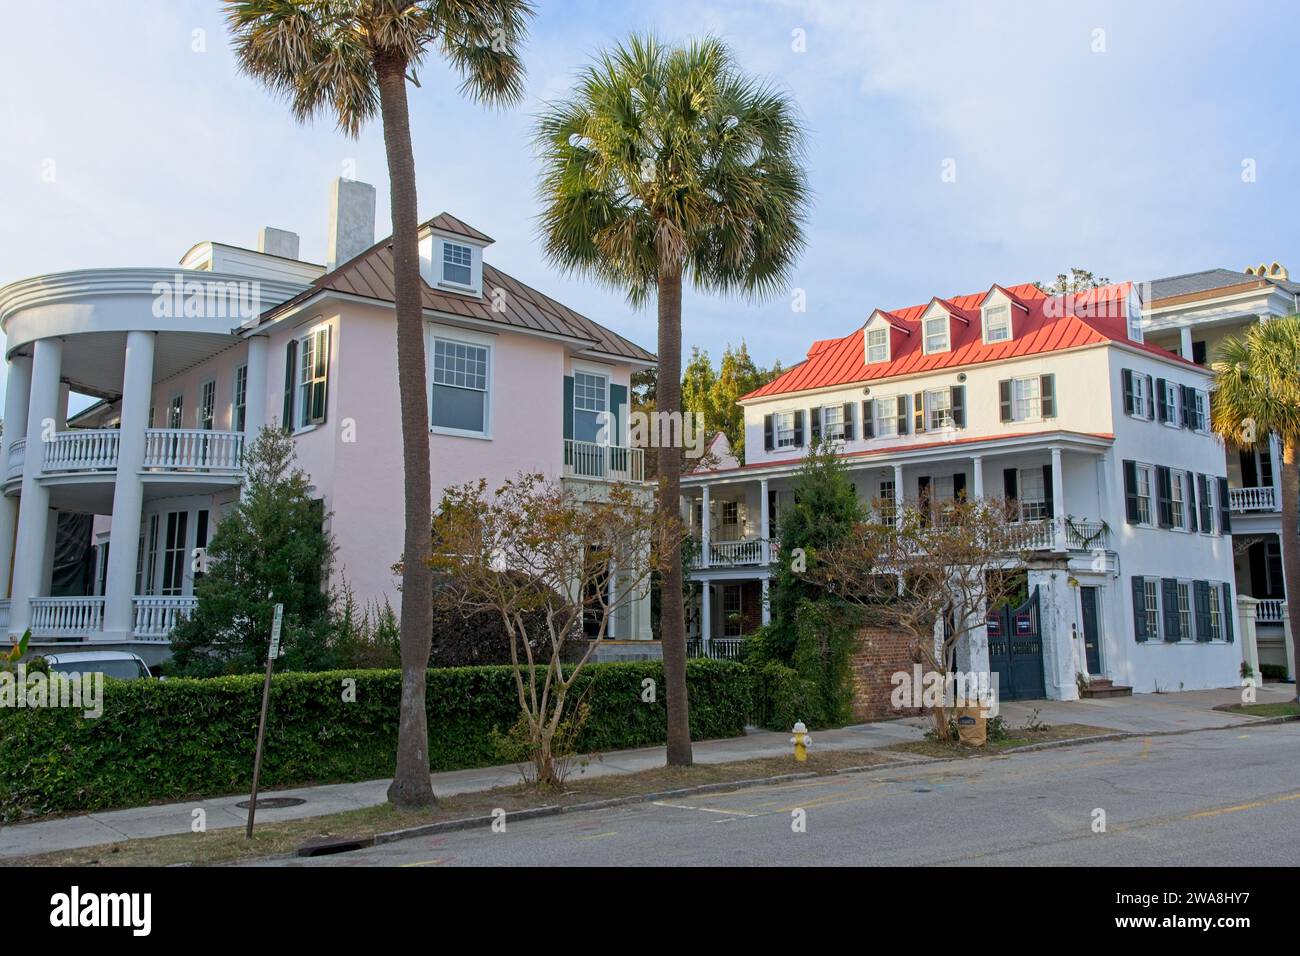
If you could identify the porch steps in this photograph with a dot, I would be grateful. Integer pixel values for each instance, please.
(1103, 687)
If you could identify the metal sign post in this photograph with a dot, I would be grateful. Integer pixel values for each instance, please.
(261, 724)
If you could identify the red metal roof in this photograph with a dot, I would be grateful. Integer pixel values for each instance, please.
(1049, 324)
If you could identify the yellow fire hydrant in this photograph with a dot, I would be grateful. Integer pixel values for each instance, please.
(802, 740)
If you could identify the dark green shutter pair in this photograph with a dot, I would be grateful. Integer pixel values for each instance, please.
(320, 380)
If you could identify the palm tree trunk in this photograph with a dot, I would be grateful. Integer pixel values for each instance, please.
(1291, 545)
(672, 618)
(411, 786)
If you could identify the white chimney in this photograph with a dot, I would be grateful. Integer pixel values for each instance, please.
(277, 242)
(352, 220)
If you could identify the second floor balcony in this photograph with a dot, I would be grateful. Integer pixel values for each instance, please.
(1245, 500)
(587, 459)
(91, 451)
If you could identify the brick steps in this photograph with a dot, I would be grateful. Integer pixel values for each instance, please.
(1104, 687)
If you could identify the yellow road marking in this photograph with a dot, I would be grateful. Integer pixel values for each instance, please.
(423, 863)
(1253, 805)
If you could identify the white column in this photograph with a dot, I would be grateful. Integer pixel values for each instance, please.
(706, 614)
(767, 607)
(18, 383)
(898, 495)
(34, 505)
(1275, 458)
(705, 529)
(1058, 501)
(1185, 343)
(255, 395)
(128, 493)
(1246, 634)
(764, 528)
(1288, 643)
(977, 471)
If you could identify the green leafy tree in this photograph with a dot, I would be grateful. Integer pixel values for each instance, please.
(664, 165)
(352, 59)
(1257, 394)
(271, 548)
(1079, 280)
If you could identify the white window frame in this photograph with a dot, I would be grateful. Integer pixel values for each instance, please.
(783, 430)
(208, 402)
(1178, 499)
(239, 400)
(1032, 508)
(1022, 399)
(1002, 326)
(943, 404)
(302, 383)
(1140, 396)
(1216, 610)
(176, 411)
(1170, 399)
(451, 336)
(885, 426)
(729, 516)
(883, 346)
(1202, 412)
(727, 591)
(1146, 474)
(1186, 617)
(833, 422)
(1155, 621)
(451, 248)
(926, 334)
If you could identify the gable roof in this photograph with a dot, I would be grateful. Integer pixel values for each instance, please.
(446, 222)
(1093, 317)
(369, 275)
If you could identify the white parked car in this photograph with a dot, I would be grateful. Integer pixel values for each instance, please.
(122, 665)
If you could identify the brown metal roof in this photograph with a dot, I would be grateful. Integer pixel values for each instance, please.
(446, 222)
(370, 275)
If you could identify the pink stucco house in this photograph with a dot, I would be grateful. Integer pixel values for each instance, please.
(101, 513)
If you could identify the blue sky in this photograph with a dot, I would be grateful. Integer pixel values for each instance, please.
(1120, 151)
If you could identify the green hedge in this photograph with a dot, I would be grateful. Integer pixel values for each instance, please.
(183, 738)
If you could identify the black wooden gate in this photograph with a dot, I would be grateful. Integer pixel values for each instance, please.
(1016, 650)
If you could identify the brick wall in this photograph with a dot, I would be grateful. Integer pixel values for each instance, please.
(879, 655)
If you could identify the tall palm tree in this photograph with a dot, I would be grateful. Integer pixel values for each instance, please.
(1257, 394)
(350, 59)
(668, 164)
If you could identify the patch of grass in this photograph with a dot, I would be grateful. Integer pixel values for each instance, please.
(1016, 737)
(1285, 709)
(281, 838)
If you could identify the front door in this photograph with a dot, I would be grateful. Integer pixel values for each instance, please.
(1091, 636)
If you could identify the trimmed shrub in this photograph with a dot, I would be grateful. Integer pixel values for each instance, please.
(781, 697)
(1273, 671)
(185, 738)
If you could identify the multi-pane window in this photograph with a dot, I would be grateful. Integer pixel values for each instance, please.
(313, 368)
(887, 505)
(997, 323)
(936, 333)
(173, 577)
(1185, 609)
(878, 345)
(1026, 400)
(731, 517)
(1140, 396)
(1198, 406)
(1144, 494)
(239, 403)
(176, 412)
(1152, 602)
(1177, 494)
(886, 417)
(1170, 399)
(732, 622)
(1216, 619)
(783, 423)
(207, 405)
(460, 387)
(833, 421)
(938, 409)
(456, 263)
(1033, 495)
(590, 405)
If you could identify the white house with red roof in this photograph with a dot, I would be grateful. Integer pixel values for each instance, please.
(1055, 402)
(104, 514)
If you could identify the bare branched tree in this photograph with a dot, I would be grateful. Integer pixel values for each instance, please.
(534, 549)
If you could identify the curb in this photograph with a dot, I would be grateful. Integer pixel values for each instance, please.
(1130, 734)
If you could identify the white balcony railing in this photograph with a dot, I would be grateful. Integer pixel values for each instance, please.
(1251, 499)
(83, 449)
(67, 616)
(589, 459)
(4, 616)
(157, 616)
(733, 553)
(193, 449)
(17, 454)
(1270, 611)
(1082, 534)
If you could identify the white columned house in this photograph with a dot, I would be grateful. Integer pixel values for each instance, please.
(18, 385)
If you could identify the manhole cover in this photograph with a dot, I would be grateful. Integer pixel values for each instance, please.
(273, 803)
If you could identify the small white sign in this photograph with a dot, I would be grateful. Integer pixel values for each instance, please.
(275, 631)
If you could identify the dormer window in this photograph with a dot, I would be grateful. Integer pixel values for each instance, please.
(456, 262)
(936, 333)
(878, 345)
(997, 324)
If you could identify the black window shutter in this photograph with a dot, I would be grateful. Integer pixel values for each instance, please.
(1151, 404)
(1189, 499)
(1161, 407)
(1206, 504)
(1127, 377)
(768, 438)
(1225, 512)
(1047, 395)
(1004, 400)
(1131, 508)
(798, 428)
(1164, 498)
(902, 415)
(869, 418)
(1229, 610)
(1201, 592)
(848, 421)
(957, 395)
(1048, 491)
(290, 363)
(918, 412)
(815, 424)
(1169, 598)
(1009, 489)
(1185, 416)
(1139, 610)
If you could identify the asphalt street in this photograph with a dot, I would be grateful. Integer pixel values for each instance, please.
(1228, 797)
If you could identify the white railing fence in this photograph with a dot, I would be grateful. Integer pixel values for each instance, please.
(724, 553)
(157, 616)
(1251, 499)
(1270, 611)
(588, 459)
(193, 448)
(84, 449)
(17, 455)
(71, 616)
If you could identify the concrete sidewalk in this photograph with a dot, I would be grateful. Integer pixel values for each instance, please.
(1142, 713)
